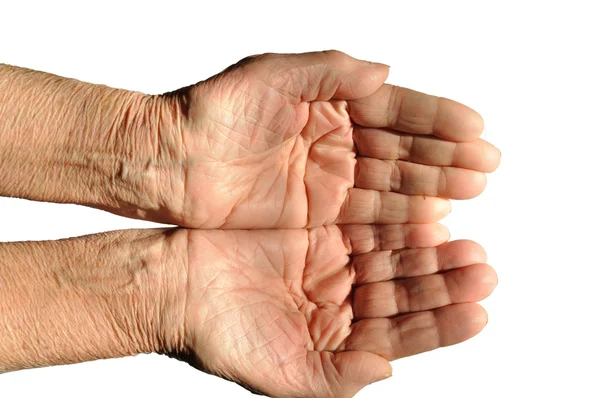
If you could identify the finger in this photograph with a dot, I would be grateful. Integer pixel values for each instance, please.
(412, 112)
(320, 76)
(462, 285)
(363, 206)
(321, 374)
(367, 238)
(477, 155)
(411, 334)
(418, 179)
(327, 265)
(385, 265)
(346, 373)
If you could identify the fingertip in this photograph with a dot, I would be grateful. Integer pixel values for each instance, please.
(428, 209)
(494, 157)
(444, 207)
(462, 322)
(475, 122)
(489, 277)
(379, 64)
(380, 68)
(460, 253)
(382, 371)
(479, 281)
(362, 82)
(479, 318)
(476, 317)
(464, 184)
(379, 73)
(457, 122)
(387, 373)
(441, 234)
(476, 252)
(426, 235)
(478, 184)
(478, 122)
(360, 368)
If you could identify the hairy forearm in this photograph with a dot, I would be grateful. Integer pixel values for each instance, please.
(99, 296)
(63, 140)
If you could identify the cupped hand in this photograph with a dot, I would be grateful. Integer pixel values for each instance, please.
(296, 141)
(320, 312)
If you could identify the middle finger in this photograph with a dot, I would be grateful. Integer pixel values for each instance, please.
(417, 179)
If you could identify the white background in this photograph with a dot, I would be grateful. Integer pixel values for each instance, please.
(530, 68)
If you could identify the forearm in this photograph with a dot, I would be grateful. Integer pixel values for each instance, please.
(63, 140)
(99, 296)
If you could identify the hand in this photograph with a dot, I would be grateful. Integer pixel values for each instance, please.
(276, 141)
(321, 312)
(295, 141)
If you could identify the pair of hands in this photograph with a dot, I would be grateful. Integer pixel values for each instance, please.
(337, 180)
(310, 191)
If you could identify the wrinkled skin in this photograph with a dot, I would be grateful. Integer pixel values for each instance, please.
(348, 173)
(272, 142)
(320, 312)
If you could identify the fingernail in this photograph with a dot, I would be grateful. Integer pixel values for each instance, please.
(384, 377)
(377, 64)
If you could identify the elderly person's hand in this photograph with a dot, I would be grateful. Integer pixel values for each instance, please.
(275, 141)
(319, 313)
(312, 313)
(344, 175)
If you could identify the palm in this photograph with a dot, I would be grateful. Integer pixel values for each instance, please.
(280, 159)
(279, 310)
(263, 152)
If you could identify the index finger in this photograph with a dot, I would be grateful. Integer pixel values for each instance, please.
(413, 112)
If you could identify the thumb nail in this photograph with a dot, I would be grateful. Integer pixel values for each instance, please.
(379, 64)
(384, 377)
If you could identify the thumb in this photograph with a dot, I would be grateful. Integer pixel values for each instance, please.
(319, 76)
(357, 369)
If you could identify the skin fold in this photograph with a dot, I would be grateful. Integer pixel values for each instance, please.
(307, 193)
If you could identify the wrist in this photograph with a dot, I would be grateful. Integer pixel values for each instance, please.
(146, 177)
(100, 296)
(148, 297)
(167, 331)
(138, 157)
(63, 140)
